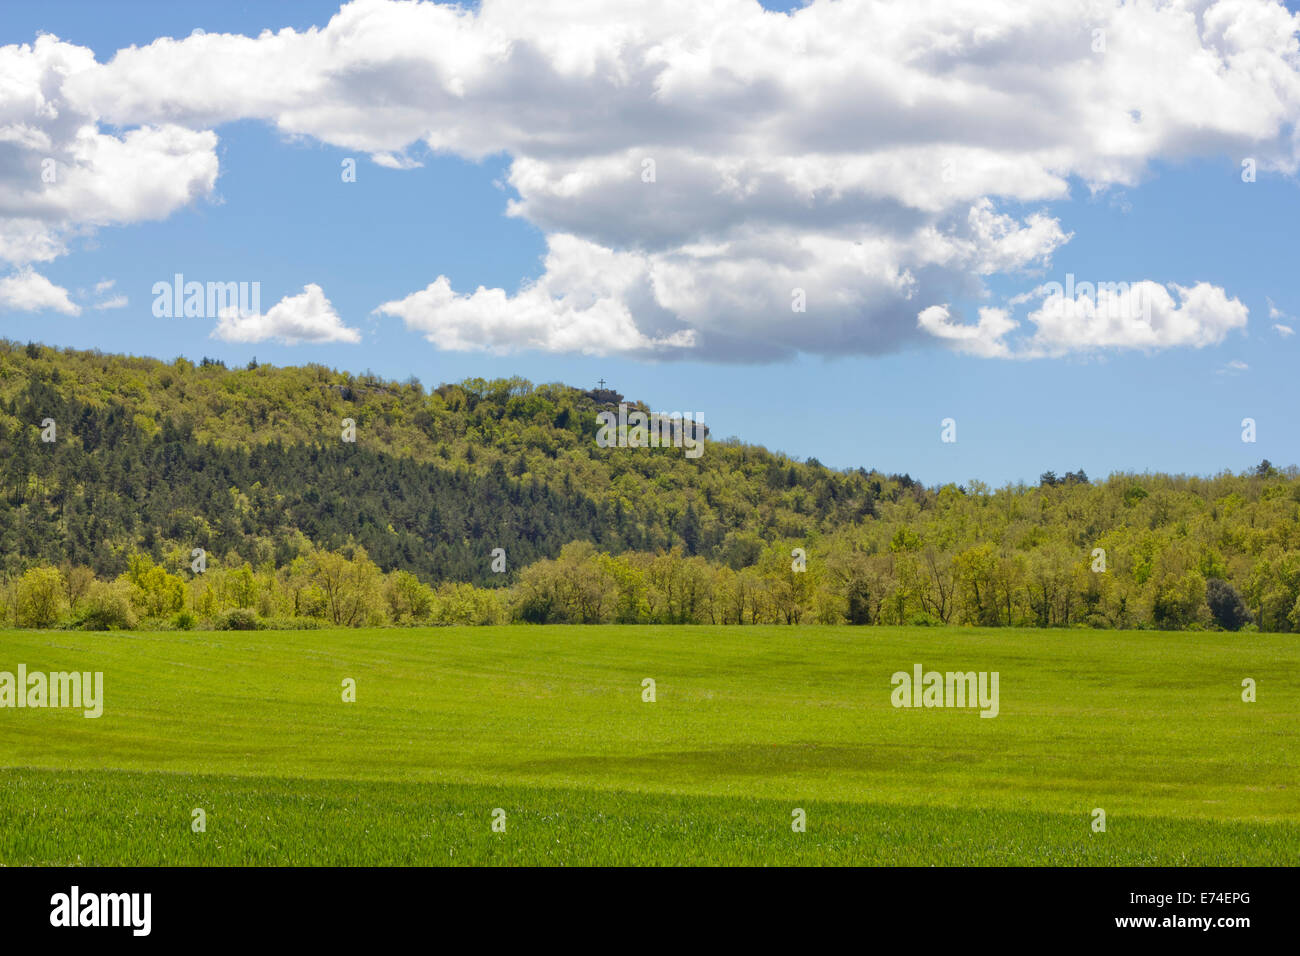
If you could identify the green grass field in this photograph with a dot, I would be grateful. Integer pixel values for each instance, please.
(549, 725)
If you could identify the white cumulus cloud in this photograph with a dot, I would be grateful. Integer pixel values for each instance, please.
(1145, 315)
(28, 291)
(1097, 317)
(307, 317)
(582, 304)
(62, 176)
(984, 339)
(883, 158)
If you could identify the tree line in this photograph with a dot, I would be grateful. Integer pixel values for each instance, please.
(153, 460)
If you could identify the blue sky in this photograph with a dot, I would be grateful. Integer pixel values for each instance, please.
(280, 214)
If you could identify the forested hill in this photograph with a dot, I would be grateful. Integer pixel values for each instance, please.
(151, 460)
(169, 456)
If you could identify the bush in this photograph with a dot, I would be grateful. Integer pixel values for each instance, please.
(40, 601)
(154, 592)
(184, 621)
(1179, 601)
(107, 608)
(1227, 607)
(240, 619)
(290, 624)
(409, 599)
(466, 604)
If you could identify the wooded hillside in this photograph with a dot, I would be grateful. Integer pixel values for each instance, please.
(152, 460)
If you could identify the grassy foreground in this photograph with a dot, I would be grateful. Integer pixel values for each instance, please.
(548, 724)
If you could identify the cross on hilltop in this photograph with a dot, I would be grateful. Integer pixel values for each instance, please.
(601, 383)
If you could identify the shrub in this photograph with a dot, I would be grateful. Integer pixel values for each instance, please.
(184, 621)
(153, 591)
(240, 619)
(107, 608)
(466, 604)
(409, 599)
(40, 599)
(1226, 606)
(290, 624)
(1178, 601)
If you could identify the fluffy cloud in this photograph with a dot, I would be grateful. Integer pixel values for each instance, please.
(582, 304)
(307, 317)
(1144, 315)
(869, 154)
(61, 176)
(984, 339)
(28, 291)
